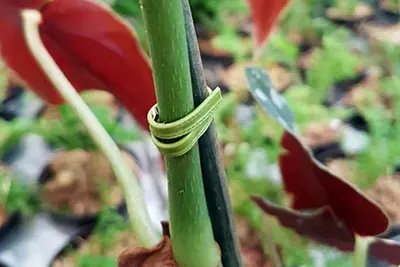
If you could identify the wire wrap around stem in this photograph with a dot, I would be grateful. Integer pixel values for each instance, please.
(177, 138)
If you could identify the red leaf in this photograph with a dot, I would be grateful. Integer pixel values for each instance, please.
(264, 14)
(91, 45)
(322, 226)
(313, 186)
(387, 250)
(33, 4)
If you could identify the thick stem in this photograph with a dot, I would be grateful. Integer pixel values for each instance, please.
(140, 221)
(212, 167)
(191, 232)
(361, 251)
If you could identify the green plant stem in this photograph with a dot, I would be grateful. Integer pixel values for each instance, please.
(191, 232)
(269, 244)
(139, 218)
(212, 167)
(361, 251)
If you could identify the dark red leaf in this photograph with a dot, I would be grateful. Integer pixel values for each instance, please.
(341, 208)
(387, 250)
(33, 4)
(92, 46)
(313, 186)
(264, 14)
(322, 227)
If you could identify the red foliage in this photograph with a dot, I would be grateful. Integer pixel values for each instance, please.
(264, 14)
(91, 45)
(322, 226)
(313, 186)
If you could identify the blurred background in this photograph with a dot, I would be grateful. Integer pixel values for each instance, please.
(337, 64)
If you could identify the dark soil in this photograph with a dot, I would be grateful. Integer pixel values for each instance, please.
(81, 183)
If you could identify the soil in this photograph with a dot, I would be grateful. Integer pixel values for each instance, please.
(343, 169)
(306, 58)
(3, 216)
(362, 11)
(207, 47)
(122, 241)
(77, 181)
(319, 134)
(234, 78)
(251, 246)
(390, 6)
(386, 192)
(94, 97)
(240, 21)
(361, 92)
(379, 32)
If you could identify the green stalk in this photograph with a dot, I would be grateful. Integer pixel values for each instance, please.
(212, 167)
(191, 232)
(361, 251)
(139, 218)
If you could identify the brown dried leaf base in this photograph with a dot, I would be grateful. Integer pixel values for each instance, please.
(3, 216)
(161, 255)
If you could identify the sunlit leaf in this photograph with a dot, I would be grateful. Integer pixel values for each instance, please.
(92, 46)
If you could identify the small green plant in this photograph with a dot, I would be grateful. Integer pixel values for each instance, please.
(11, 133)
(261, 133)
(109, 224)
(69, 133)
(213, 13)
(333, 62)
(383, 153)
(280, 50)
(311, 109)
(204, 10)
(15, 195)
(391, 57)
(87, 260)
(229, 40)
(104, 238)
(298, 19)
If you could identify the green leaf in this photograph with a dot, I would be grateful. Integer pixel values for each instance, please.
(272, 102)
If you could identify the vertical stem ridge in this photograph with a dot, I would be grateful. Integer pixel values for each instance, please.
(214, 177)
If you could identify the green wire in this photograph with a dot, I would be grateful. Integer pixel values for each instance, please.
(187, 129)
